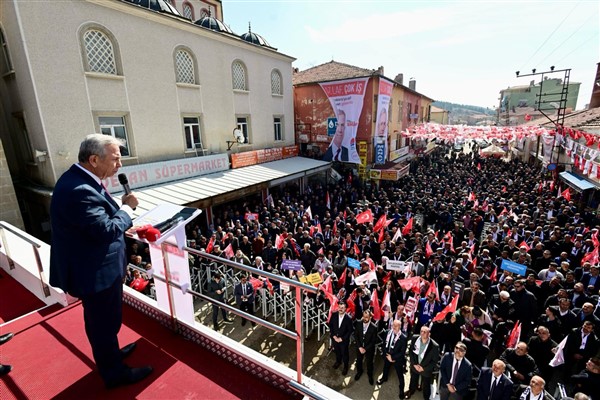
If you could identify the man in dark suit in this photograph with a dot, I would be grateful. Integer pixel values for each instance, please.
(424, 354)
(394, 353)
(244, 297)
(335, 151)
(340, 329)
(455, 374)
(365, 334)
(500, 388)
(88, 253)
(581, 345)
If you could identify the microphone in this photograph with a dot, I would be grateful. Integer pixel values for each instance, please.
(125, 182)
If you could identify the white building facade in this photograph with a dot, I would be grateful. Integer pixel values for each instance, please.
(170, 88)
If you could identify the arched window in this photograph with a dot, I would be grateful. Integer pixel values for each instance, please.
(276, 87)
(184, 67)
(204, 13)
(188, 11)
(238, 72)
(99, 52)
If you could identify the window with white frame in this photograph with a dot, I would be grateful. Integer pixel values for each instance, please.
(188, 11)
(193, 136)
(6, 63)
(238, 73)
(242, 124)
(276, 87)
(184, 65)
(99, 52)
(277, 129)
(115, 127)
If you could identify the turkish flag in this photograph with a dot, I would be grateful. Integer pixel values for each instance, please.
(566, 194)
(432, 289)
(380, 223)
(494, 274)
(524, 244)
(381, 235)
(513, 338)
(408, 227)
(364, 217)
(428, 250)
(229, 251)
(376, 306)
(450, 308)
(211, 245)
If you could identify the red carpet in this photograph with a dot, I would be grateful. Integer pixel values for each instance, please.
(22, 301)
(52, 360)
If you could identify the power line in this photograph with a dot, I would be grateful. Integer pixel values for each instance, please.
(548, 38)
(564, 41)
(577, 48)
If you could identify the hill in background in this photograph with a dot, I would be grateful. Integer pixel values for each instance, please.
(466, 114)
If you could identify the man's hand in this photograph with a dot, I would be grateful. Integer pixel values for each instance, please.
(389, 358)
(451, 388)
(362, 350)
(418, 368)
(130, 200)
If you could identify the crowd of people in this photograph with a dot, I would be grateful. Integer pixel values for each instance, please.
(454, 221)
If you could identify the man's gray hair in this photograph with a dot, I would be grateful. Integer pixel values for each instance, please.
(95, 145)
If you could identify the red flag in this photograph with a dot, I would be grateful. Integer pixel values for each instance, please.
(342, 280)
(540, 187)
(524, 244)
(327, 289)
(471, 266)
(270, 287)
(364, 217)
(256, 283)
(328, 201)
(428, 250)
(552, 186)
(344, 215)
(356, 249)
(485, 206)
(494, 274)
(376, 306)
(413, 283)
(479, 166)
(590, 256)
(450, 308)
(408, 227)
(566, 194)
(334, 228)
(475, 204)
(595, 239)
(381, 236)
(386, 306)
(380, 223)
(432, 289)
(311, 231)
(504, 211)
(279, 241)
(211, 245)
(319, 228)
(371, 264)
(333, 308)
(504, 189)
(514, 336)
(471, 197)
(386, 278)
(229, 251)
(350, 303)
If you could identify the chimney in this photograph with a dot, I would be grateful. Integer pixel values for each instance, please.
(380, 70)
(532, 83)
(399, 78)
(595, 99)
(412, 84)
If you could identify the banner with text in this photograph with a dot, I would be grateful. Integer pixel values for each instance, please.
(381, 124)
(346, 98)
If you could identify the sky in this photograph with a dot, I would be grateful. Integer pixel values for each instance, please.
(458, 51)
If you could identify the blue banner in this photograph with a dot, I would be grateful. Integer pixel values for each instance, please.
(514, 267)
(353, 263)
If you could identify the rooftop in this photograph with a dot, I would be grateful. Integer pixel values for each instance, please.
(330, 71)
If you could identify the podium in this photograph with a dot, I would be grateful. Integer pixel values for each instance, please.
(169, 261)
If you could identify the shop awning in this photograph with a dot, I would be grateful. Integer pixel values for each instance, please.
(227, 185)
(576, 182)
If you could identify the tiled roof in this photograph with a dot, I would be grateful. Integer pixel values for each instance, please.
(330, 71)
(577, 119)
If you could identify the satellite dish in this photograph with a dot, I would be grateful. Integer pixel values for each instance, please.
(238, 135)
